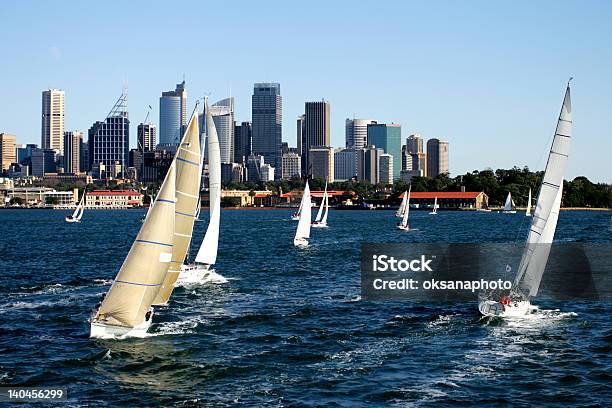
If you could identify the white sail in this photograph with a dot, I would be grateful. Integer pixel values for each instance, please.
(508, 204)
(435, 209)
(326, 199)
(207, 254)
(320, 212)
(78, 211)
(546, 212)
(144, 269)
(402, 207)
(528, 207)
(187, 167)
(302, 232)
(404, 223)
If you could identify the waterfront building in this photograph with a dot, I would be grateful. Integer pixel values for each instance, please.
(223, 116)
(267, 119)
(322, 162)
(243, 137)
(385, 169)
(317, 119)
(345, 164)
(147, 137)
(437, 157)
(115, 199)
(43, 162)
(52, 124)
(8, 151)
(172, 116)
(72, 151)
(389, 138)
(356, 132)
(449, 199)
(41, 196)
(291, 166)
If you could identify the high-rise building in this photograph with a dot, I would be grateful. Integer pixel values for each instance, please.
(52, 125)
(243, 136)
(232, 172)
(109, 141)
(300, 133)
(267, 116)
(437, 157)
(345, 164)
(8, 151)
(266, 173)
(322, 162)
(385, 170)
(223, 115)
(406, 158)
(356, 132)
(43, 162)
(84, 159)
(147, 137)
(414, 143)
(389, 138)
(368, 164)
(172, 116)
(317, 119)
(254, 164)
(419, 163)
(72, 151)
(291, 166)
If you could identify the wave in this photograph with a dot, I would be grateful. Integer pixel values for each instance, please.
(193, 278)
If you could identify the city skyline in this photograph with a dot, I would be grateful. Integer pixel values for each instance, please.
(450, 81)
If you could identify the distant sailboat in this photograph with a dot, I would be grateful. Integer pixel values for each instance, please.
(198, 209)
(206, 257)
(435, 207)
(296, 215)
(321, 220)
(542, 229)
(126, 309)
(302, 233)
(509, 205)
(78, 211)
(404, 225)
(528, 207)
(402, 208)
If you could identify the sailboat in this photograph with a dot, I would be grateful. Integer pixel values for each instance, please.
(188, 174)
(402, 208)
(321, 221)
(435, 207)
(296, 215)
(542, 228)
(509, 205)
(207, 254)
(404, 225)
(126, 309)
(302, 233)
(78, 211)
(198, 210)
(528, 207)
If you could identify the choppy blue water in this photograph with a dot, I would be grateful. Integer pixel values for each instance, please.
(289, 328)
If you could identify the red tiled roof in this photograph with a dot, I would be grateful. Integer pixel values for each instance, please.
(114, 193)
(443, 194)
(262, 195)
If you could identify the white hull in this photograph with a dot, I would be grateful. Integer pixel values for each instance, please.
(433, 213)
(100, 330)
(493, 308)
(295, 218)
(406, 228)
(70, 219)
(198, 274)
(319, 225)
(509, 212)
(301, 242)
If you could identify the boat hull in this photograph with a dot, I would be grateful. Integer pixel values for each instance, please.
(319, 225)
(198, 274)
(509, 212)
(70, 219)
(401, 228)
(300, 242)
(493, 308)
(295, 218)
(99, 330)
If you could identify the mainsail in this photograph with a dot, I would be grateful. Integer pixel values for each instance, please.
(528, 206)
(320, 212)
(78, 211)
(404, 222)
(509, 204)
(207, 254)
(303, 229)
(546, 213)
(402, 207)
(187, 163)
(144, 269)
(326, 199)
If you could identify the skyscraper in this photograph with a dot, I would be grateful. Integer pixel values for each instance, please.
(322, 162)
(345, 164)
(385, 170)
(316, 130)
(291, 166)
(52, 125)
(300, 133)
(437, 157)
(389, 138)
(223, 115)
(43, 162)
(368, 164)
(356, 132)
(414, 143)
(8, 151)
(243, 136)
(147, 137)
(72, 151)
(172, 116)
(267, 119)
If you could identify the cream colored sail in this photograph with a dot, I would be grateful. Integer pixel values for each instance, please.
(528, 207)
(187, 162)
(144, 269)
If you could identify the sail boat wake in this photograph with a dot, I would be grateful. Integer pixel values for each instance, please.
(542, 229)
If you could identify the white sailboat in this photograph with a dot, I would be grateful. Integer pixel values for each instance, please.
(400, 211)
(528, 207)
(188, 174)
(200, 271)
(435, 207)
(509, 205)
(296, 215)
(198, 210)
(542, 228)
(404, 225)
(126, 309)
(302, 233)
(78, 211)
(321, 220)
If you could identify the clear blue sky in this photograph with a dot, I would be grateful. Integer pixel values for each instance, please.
(487, 76)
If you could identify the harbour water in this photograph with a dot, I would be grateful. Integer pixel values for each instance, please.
(289, 328)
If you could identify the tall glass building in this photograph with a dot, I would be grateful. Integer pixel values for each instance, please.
(389, 138)
(223, 116)
(172, 116)
(267, 116)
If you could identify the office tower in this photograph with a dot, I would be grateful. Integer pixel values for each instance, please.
(267, 122)
(72, 152)
(223, 116)
(389, 138)
(368, 161)
(316, 130)
(232, 172)
(52, 129)
(147, 137)
(291, 166)
(172, 116)
(43, 162)
(437, 157)
(345, 164)
(8, 151)
(300, 133)
(414, 143)
(322, 162)
(356, 132)
(108, 141)
(266, 173)
(243, 135)
(254, 164)
(135, 163)
(385, 169)
(406, 158)
(84, 159)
